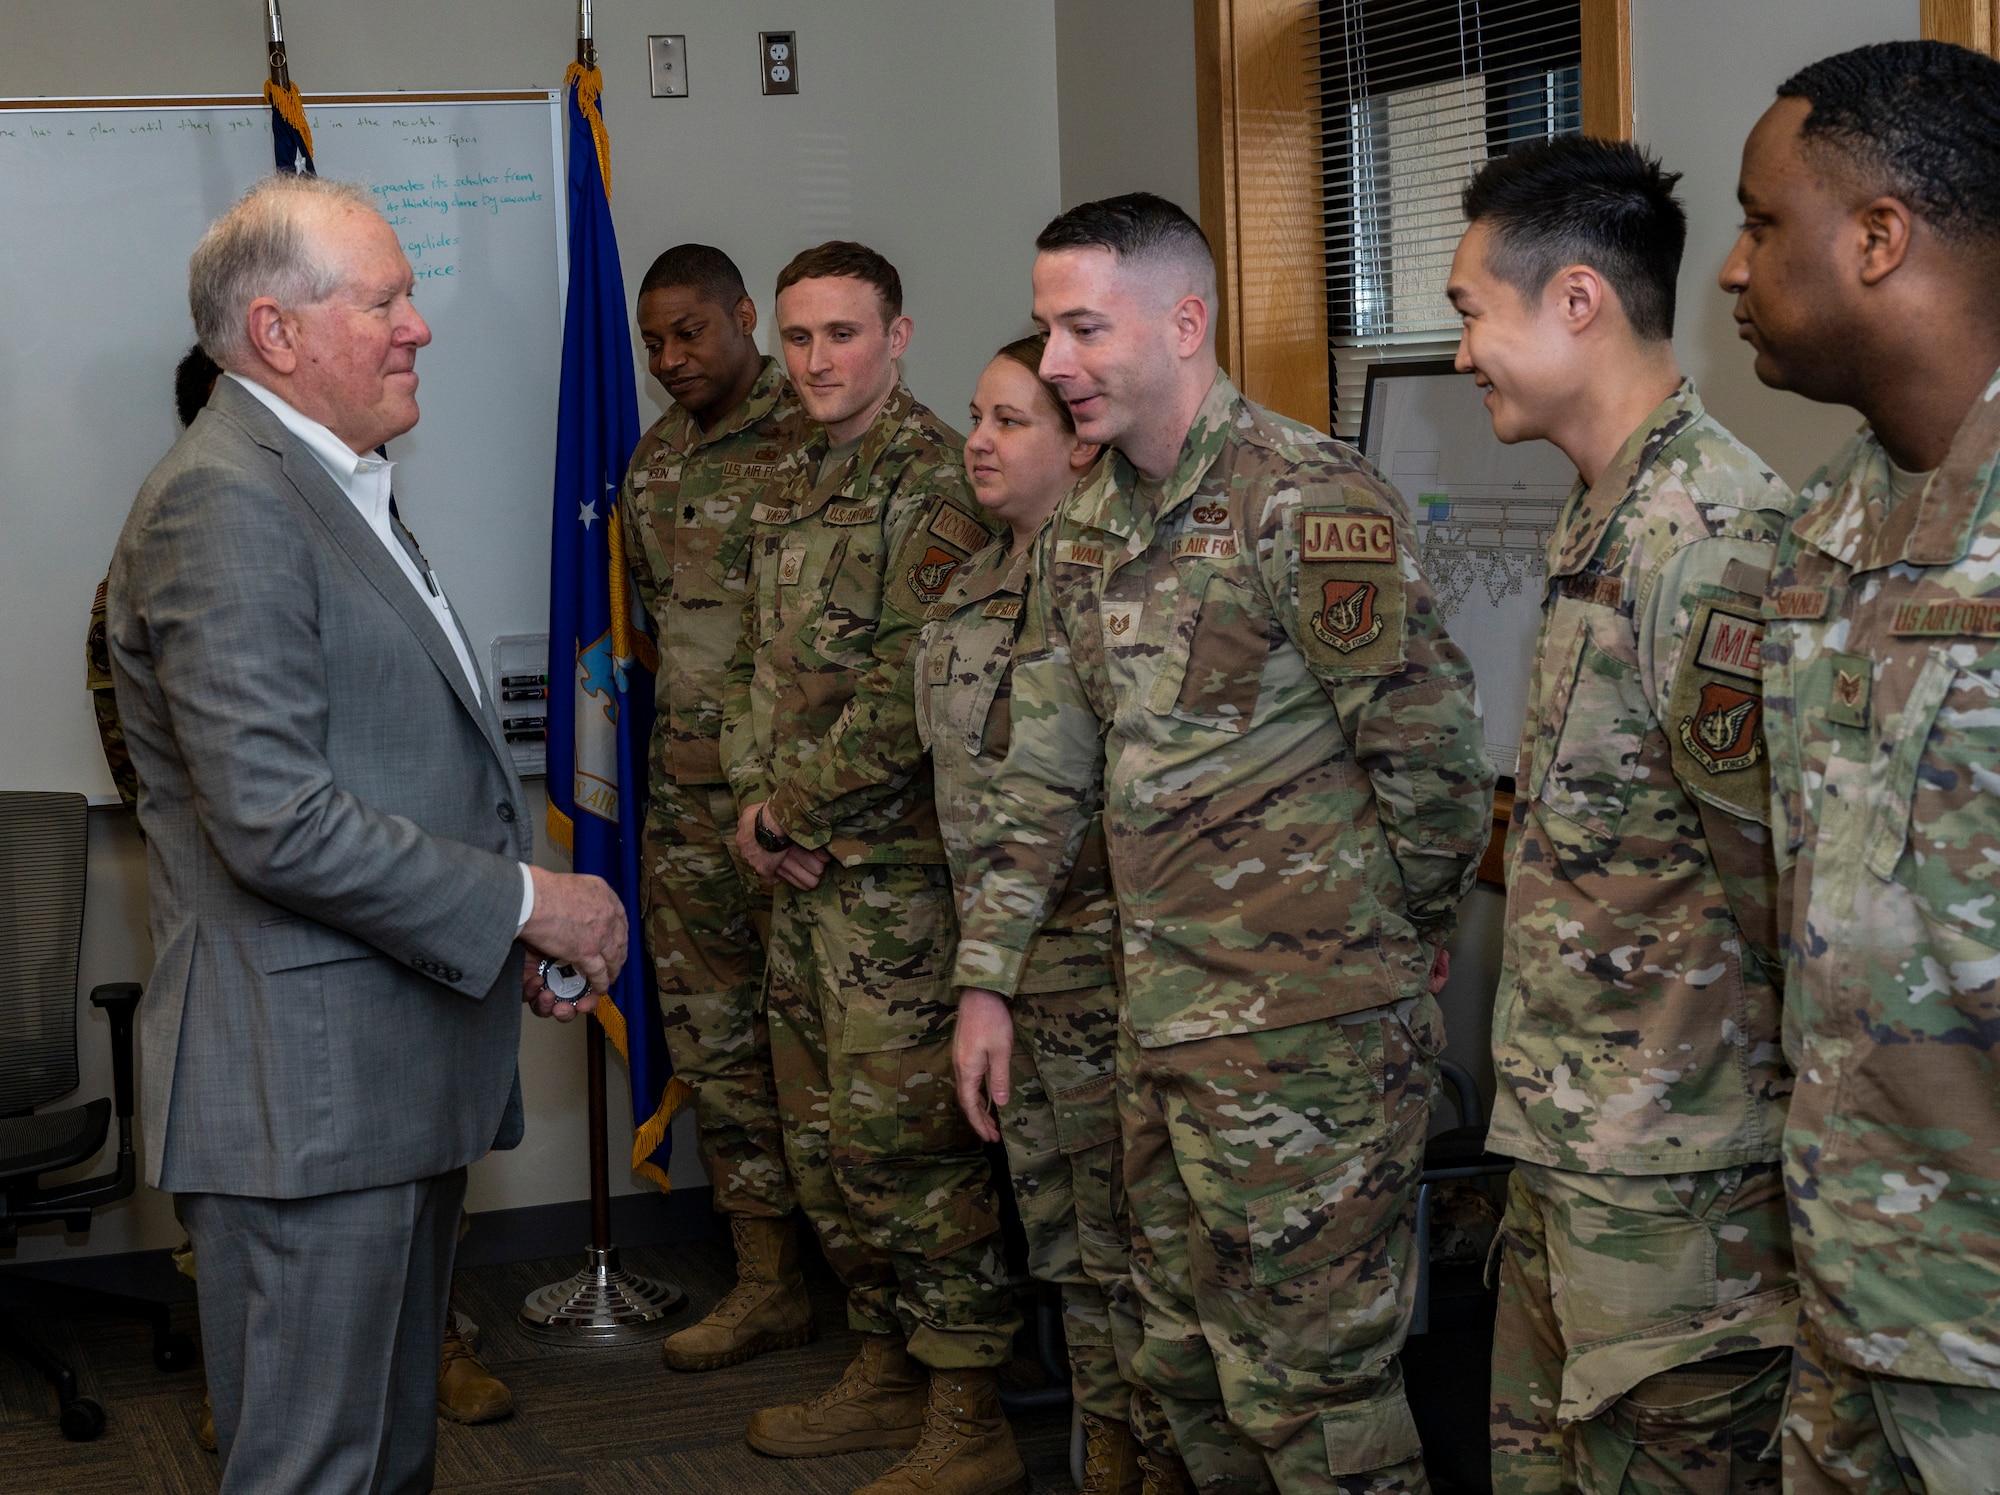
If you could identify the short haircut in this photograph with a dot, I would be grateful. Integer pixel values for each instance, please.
(1138, 226)
(1027, 352)
(701, 268)
(194, 377)
(1575, 201)
(258, 248)
(843, 258)
(1919, 120)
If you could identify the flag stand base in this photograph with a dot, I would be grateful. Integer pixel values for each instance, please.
(602, 1304)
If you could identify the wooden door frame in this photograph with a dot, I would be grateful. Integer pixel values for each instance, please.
(1969, 23)
(1260, 181)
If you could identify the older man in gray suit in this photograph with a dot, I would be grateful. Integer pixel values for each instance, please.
(337, 846)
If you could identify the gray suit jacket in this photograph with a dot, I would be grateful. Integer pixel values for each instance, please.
(333, 827)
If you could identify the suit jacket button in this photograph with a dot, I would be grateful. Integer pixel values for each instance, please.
(505, 811)
(454, 974)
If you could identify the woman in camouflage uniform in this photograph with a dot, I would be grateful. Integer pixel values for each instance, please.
(1057, 1111)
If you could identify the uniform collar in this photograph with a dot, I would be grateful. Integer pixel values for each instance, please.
(991, 571)
(1852, 522)
(1590, 511)
(1107, 504)
(684, 433)
(852, 475)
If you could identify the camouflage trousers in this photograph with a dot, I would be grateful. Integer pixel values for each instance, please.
(1061, 1132)
(1850, 1432)
(1272, 1176)
(705, 916)
(1640, 1341)
(888, 1169)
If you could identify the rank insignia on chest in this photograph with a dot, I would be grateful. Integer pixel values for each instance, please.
(1119, 618)
(1722, 734)
(1210, 514)
(1346, 619)
(791, 565)
(1346, 537)
(931, 575)
(1847, 696)
(1801, 604)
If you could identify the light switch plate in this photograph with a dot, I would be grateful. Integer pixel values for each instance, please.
(778, 57)
(669, 56)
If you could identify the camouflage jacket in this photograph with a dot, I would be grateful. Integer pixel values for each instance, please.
(964, 669)
(1882, 679)
(1636, 1026)
(819, 716)
(97, 680)
(1246, 669)
(685, 512)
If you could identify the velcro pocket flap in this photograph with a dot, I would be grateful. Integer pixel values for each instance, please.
(1894, 765)
(1370, 1435)
(288, 944)
(1310, 1224)
(899, 1016)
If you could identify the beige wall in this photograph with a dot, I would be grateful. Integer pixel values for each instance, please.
(1126, 73)
(927, 129)
(1702, 72)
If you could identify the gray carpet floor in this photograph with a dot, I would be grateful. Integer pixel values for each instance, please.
(587, 1422)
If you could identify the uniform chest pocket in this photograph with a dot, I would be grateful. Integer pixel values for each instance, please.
(1212, 668)
(1597, 726)
(1935, 786)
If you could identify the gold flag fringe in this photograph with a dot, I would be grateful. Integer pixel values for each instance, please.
(292, 110)
(589, 86)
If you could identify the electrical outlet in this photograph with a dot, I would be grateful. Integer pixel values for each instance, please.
(670, 72)
(778, 54)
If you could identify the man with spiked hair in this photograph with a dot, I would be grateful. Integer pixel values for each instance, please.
(1233, 652)
(694, 480)
(1868, 274)
(1646, 1296)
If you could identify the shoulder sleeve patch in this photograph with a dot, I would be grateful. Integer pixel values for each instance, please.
(1346, 536)
(956, 527)
(1351, 616)
(1715, 717)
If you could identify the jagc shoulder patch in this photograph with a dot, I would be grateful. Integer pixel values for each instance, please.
(1346, 536)
(1715, 717)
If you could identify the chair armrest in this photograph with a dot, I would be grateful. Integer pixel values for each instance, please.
(120, 999)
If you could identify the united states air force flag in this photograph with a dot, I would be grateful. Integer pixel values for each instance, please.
(291, 136)
(598, 639)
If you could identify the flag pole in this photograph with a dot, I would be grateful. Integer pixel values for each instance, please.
(603, 1304)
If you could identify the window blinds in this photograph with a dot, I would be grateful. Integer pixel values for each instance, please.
(1414, 96)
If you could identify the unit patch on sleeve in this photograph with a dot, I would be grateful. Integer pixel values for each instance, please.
(1346, 537)
(1715, 720)
(933, 573)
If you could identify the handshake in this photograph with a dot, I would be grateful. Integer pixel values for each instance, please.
(577, 922)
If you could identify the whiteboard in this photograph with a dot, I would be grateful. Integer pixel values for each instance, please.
(103, 205)
(1484, 512)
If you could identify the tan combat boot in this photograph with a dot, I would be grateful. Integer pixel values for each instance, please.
(467, 1390)
(878, 1402)
(1163, 1474)
(766, 1310)
(967, 1447)
(1110, 1457)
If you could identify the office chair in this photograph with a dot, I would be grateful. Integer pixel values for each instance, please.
(42, 853)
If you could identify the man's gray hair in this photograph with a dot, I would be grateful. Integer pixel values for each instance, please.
(260, 248)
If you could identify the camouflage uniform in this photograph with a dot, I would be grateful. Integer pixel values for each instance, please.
(1245, 667)
(1882, 659)
(1061, 1126)
(97, 680)
(820, 721)
(685, 512)
(1635, 1031)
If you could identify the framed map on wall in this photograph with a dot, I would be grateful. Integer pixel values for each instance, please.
(1484, 513)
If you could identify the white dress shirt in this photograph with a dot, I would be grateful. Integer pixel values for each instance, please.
(365, 481)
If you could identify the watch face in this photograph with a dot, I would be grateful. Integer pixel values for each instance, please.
(565, 983)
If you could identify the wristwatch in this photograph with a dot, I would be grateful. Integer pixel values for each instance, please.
(772, 841)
